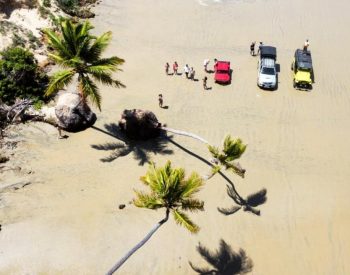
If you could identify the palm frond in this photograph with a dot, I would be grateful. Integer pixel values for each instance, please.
(229, 211)
(215, 169)
(192, 205)
(68, 35)
(152, 179)
(106, 79)
(113, 61)
(233, 148)
(59, 80)
(149, 201)
(90, 90)
(183, 220)
(56, 43)
(235, 167)
(214, 151)
(192, 185)
(99, 45)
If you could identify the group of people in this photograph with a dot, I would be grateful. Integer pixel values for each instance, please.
(252, 47)
(189, 72)
(175, 68)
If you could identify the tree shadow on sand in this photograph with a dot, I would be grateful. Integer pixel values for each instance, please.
(248, 204)
(223, 261)
(141, 150)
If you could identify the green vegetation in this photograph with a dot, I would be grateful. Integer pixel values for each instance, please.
(18, 41)
(80, 53)
(79, 8)
(20, 76)
(47, 3)
(232, 150)
(169, 190)
(21, 37)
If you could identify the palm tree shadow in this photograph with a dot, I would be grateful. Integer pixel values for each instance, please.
(248, 204)
(223, 261)
(141, 150)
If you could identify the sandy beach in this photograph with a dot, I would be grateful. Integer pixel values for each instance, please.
(67, 221)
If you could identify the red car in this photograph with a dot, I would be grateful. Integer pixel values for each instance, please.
(222, 72)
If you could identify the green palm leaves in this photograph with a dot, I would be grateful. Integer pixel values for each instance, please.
(76, 50)
(171, 190)
(232, 150)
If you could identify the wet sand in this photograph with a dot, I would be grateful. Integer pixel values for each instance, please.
(68, 222)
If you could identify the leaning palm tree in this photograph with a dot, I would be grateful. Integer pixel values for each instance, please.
(225, 157)
(80, 53)
(169, 190)
(141, 124)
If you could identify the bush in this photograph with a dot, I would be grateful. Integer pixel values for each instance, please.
(20, 76)
(18, 40)
(67, 5)
(47, 3)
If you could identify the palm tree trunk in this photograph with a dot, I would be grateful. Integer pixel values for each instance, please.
(139, 245)
(183, 133)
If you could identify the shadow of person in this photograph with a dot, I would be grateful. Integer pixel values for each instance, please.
(223, 261)
(208, 88)
(165, 107)
(210, 71)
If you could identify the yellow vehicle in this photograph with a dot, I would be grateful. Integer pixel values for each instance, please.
(302, 70)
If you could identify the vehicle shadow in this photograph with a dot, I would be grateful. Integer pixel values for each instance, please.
(278, 68)
(223, 261)
(141, 150)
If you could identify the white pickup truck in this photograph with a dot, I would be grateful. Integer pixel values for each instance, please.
(267, 74)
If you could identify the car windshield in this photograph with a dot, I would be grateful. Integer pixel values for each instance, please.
(304, 69)
(269, 71)
(222, 72)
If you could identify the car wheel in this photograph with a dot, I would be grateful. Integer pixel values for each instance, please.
(294, 84)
